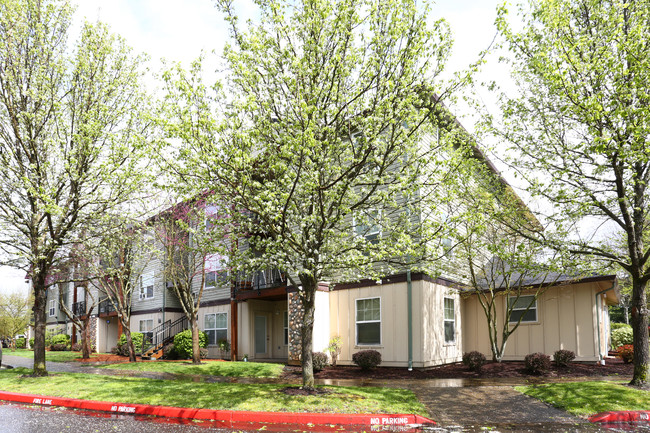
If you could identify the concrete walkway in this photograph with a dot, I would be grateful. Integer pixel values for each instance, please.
(448, 401)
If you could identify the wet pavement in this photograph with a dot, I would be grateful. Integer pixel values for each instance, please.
(458, 405)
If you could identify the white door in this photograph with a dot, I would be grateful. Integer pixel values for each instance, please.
(261, 336)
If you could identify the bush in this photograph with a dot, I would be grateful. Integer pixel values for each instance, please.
(31, 342)
(123, 348)
(319, 360)
(626, 353)
(20, 343)
(59, 347)
(622, 336)
(563, 357)
(224, 346)
(76, 347)
(537, 363)
(367, 359)
(615, 325)
(474, 360)
(334, 348)
(183, 343)
(169, 352)
(203, 353)
(60, 339)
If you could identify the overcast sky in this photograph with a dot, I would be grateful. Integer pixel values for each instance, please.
(181, 30)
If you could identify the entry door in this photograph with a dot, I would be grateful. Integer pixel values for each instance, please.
(261, 336)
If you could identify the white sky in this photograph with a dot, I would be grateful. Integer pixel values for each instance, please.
(181, 30)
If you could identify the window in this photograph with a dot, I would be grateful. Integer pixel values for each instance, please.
(286, 328)
(450, 320)
(52, 308)
(447, 249)
(216, 327)
(146, 286)
(368, 321)
(216, 271)
(367, 225)
(519, 306)
(146, 328)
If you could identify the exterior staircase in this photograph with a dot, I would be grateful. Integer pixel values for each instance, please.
(154, 341)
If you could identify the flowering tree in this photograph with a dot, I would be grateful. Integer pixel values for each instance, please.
(71, 124)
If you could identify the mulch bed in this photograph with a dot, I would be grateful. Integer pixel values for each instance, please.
(104, 357)
(505, 369)
(296, 390)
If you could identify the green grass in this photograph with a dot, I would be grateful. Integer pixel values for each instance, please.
(588, 398)
(210, 368)
(186, 393)
(49, 356)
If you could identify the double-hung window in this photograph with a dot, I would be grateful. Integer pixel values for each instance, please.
(146, 286)
(216, 327)
(216, 271)
(368, 320)
(524, 307)
(52, 308)
(450, 320)
(367, 225)
(146, 328)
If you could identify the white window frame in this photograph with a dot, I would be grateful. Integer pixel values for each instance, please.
(533, 307)
(144, 332)
(144, 289)
(218, 266)
(445, 320)
(216, 330)
(285, 327)
(52, 309)
(366, 235)
(357, 322)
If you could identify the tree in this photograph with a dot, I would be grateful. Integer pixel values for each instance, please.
(318, 151)
(187, 232)
(14, 314)
(71, 124)
(119, 263)
(580, 129)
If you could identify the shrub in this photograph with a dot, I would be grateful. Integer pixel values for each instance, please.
(60, 339)
(334, 348)
(183, 343)
(169, 352)
(626, 353)
(615, 325)
(537, 363)
(203, 353)
(224, 346)
(563, 357)
(20, 343)
(76, 347)
(367, 359)
(31, 342)
(622, 336)
(58, 347)
(474, 360)
(122, 347)
(115, 350)
(319, 360)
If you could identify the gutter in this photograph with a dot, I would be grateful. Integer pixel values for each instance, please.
(409, 315)
(601, 357)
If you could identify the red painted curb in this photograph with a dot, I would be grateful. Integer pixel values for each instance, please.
(229, 416)
(621, 416)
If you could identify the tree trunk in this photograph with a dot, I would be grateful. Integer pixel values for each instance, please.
(126, 328)
(641, 374)
(196, 349)
(309, 285)
(85, 340)
(40, 321)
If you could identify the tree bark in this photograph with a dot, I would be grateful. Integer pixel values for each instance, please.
(85, 340)
(641, 374)
(126, 328)
(196, 348)
(307, 299)
(40, 322)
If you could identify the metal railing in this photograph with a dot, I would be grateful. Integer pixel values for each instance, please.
(79, 308)
(106, 306)
(264, 279)
(163, 334)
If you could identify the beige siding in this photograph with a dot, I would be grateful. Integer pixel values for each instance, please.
(567, 319)
(428, 325)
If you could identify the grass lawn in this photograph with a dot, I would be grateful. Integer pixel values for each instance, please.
(211, 368)
(49, 356)
(588, 398)
(186, 393)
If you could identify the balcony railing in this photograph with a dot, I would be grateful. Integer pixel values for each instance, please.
(79, 308)
(264, 279)
(106, 306)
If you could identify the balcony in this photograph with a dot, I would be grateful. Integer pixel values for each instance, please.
(260, 280)
(106, 307)
(79, 308)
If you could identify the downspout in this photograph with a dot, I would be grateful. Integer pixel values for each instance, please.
(601, 357)
(409, 315)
